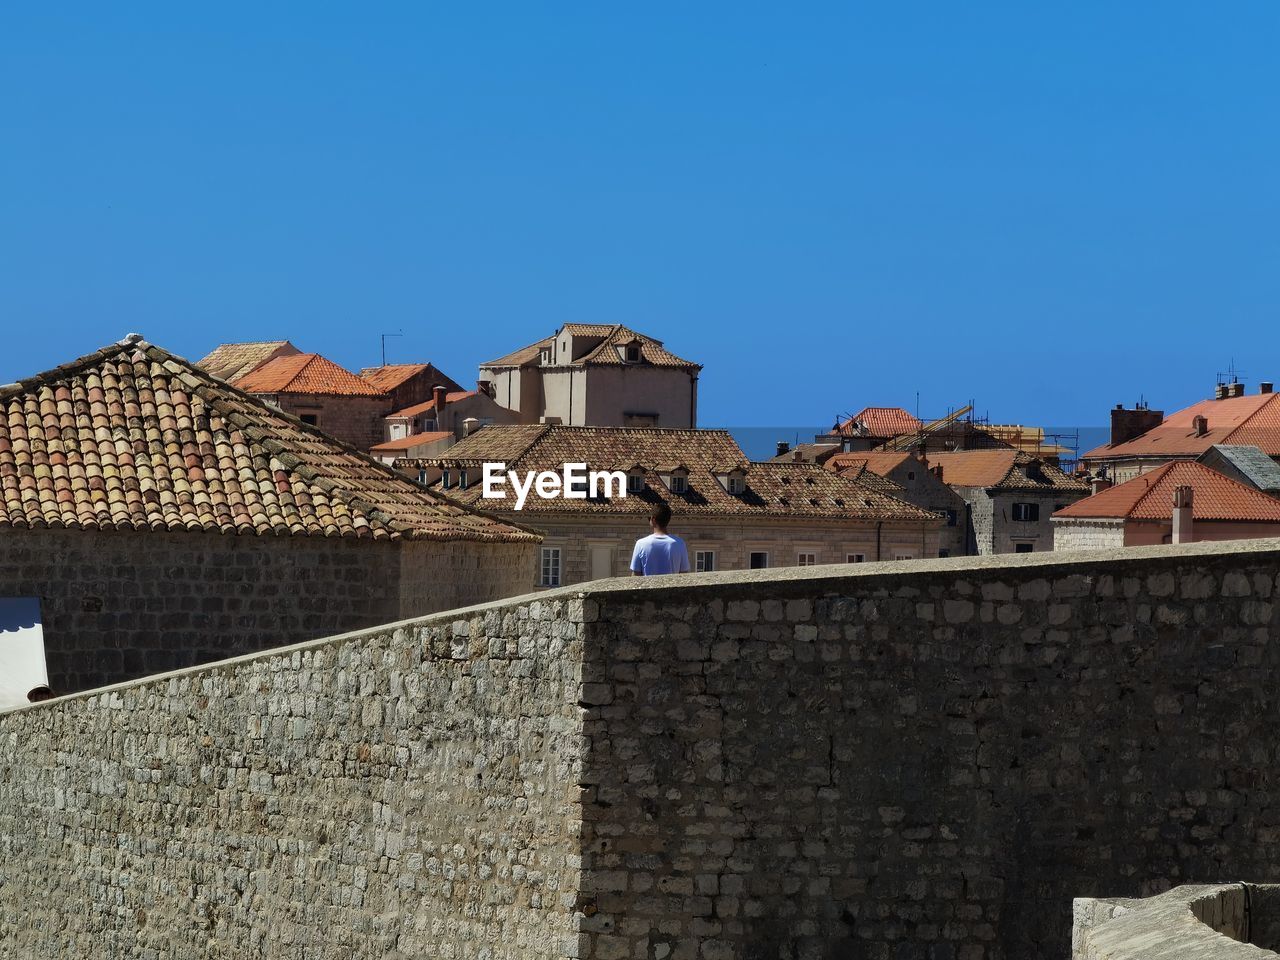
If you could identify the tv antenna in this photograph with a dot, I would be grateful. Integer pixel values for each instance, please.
(384, 344)
(1232, 375)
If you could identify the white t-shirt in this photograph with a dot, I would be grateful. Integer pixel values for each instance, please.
(659, 553)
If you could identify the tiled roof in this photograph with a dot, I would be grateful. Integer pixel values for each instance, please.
(231, 360)
(806, 453)
(1150, 497)
(385, 379)
(134, 438)
(418, 408)
(413, 440)
(602, 354)
(1252, 420)
(1002, 469)
(869, 478)
(883, 422)
(651, 351)
(875, 461)
(773, 490)
(306, 373)
(519, 358)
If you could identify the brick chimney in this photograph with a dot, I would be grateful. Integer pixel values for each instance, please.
(1265, 386)
(1235, 390)
(783, 447)
(1200, 425)
(1220, 392)
(1099, 483)
(1182, 519)
(1127, 424)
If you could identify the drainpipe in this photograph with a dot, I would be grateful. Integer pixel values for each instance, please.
(879, 524)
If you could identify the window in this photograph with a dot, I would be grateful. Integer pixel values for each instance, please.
(311, 419)
(679, 483)
(806, 558)
(904, 556)
(911, 474)
(635, 482)
(952, 517)
(855, 558)
(633, 354)
(445, 479)
(759, 560)
(1024, 548)
(1026, 511)
(550, 568)
(422, 477)
(944, 552)
(737, 485)
(704, 561)
(462, 479)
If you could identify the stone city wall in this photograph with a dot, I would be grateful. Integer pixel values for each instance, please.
(908, 760)
(121, 605)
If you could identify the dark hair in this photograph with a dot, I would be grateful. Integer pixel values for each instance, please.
(661, 515)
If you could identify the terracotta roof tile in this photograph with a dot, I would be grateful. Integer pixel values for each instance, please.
(413, 440)
(518, 358)
(1002, 469)
(602, 354)
(232, 360)
(773, 490)
(882, 463)
(1150, 497)
(134, 438)
(386, 379)
(420, 408)
(869, 478)
(882, 422)
(1252, 420)
(306, 373)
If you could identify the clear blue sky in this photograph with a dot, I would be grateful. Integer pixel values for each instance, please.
(1046, 208)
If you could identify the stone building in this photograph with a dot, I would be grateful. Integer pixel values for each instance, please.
(916, 482)
(1010, 498)
(164, 518)
(408, 383)
(1141, 440)
(321, 394)
(596, 374)
(732, 514)
(230, 361)
(1152, 508)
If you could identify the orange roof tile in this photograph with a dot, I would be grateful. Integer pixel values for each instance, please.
(419, 408)
(133, 438)
(1003, 469)
(880, 422)
(604, 353)
(1252, 420)
(1150, 497)
(305, 373)
(391, 376)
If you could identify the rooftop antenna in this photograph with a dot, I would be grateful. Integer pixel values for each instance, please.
(384, 344)
(1232, 373)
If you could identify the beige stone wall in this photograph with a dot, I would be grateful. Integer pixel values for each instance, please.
(128, 604)
(406, 792)
(586, 542)
(1087, 534)
(357, 421)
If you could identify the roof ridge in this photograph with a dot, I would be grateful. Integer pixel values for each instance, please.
(64, 370)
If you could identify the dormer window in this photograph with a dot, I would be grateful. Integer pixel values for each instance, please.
(679, 483)
(737, 485)
(676, 477)
(733, 479)
(633, 354)
(446, 479)
(635, 481)
(462, 479)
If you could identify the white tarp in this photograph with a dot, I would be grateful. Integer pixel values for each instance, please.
(22, 666)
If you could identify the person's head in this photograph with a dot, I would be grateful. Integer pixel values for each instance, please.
(660, 518)
(39, 693)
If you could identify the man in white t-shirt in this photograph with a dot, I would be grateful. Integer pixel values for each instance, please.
(659, 552)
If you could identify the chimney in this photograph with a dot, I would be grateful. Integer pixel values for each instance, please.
(783, 447)
(1220, 392)
(1182, 520)
(1098, 484)
(470, 426)
(937, 471)
(439, 396)
(1127, 424)
(1264, 386)
(1200, 425)
(1236, 390)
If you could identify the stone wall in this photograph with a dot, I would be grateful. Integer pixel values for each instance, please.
(357, 421)
(1087, 534)
(907, 760)
(407, 792)
(119, 605)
